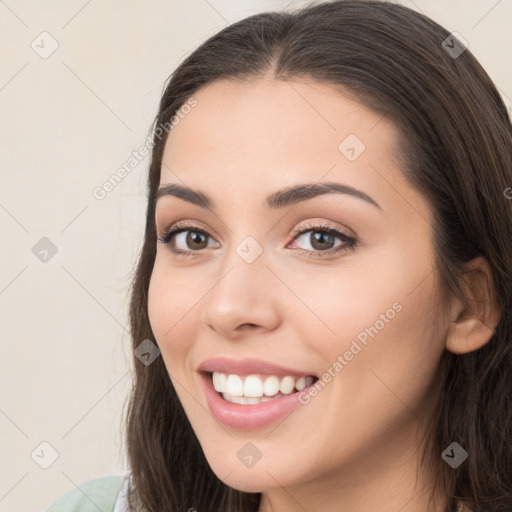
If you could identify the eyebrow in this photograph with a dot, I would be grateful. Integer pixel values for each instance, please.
(280, 199)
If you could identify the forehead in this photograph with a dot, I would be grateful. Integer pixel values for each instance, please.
(285, 118)
(265, 134)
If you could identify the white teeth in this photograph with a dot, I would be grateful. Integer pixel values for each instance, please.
(234, 385)
(219, 382)
(271, 386)
(253, 389)
(287, 385)
(300, 383)
(239, 400)
(244, 401)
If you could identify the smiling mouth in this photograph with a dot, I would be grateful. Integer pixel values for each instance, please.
(257, 388)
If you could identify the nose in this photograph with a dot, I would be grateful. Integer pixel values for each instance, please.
(243, 298)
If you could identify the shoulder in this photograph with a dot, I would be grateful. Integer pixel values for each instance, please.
(93, 495)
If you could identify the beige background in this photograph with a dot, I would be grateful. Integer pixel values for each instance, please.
(67, 123)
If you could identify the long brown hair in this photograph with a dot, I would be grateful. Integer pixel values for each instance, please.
(456, 141)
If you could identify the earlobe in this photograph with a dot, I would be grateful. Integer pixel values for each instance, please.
(472, 327)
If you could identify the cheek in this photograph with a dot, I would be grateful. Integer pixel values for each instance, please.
(170, 300)
(377, 315)
(347, 305)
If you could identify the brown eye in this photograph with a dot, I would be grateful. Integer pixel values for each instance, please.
(183, 239)
(322, 239)
(194, 239)
(189, 240)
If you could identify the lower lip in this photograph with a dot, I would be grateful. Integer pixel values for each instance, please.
(247, 416)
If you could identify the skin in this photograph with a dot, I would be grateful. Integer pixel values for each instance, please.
(355, 446)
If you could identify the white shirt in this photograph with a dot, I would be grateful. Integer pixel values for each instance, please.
(121, 503)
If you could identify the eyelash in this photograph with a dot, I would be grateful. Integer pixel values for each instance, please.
(350, 242)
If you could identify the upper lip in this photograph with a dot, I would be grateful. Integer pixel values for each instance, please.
(248, 366)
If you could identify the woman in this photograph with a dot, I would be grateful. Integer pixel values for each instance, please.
(327, 275)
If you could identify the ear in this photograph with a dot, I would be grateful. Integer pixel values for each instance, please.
(473, 327)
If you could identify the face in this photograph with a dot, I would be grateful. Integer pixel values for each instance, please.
(336, 286)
